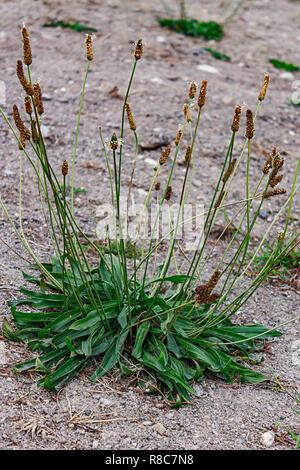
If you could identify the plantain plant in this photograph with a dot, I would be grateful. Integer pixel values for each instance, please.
(164, 324)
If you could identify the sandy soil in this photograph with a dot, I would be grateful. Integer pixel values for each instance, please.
(225, 417)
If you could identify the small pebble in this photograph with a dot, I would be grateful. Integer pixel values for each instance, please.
(207, 68)
(268, 438)
(286, 76)
(262, 214)
(159, 428)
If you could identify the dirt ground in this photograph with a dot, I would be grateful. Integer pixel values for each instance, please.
(112, 414)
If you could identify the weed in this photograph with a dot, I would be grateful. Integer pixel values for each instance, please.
(284, 65)
(76, 26)
(218, 55)
(208, 30)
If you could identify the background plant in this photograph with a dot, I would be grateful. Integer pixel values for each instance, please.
(165, 327)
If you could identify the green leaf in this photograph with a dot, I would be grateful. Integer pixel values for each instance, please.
(8, 331)
(151, 361)
(173, 346)
(111, 357)
(207, 357)
(140, 338)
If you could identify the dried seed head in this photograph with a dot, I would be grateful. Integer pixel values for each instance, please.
(34, 132)
(113, 142)
(38, 98)
(187, 112)
(89, 46)
(22, 143)
(130, 117)
(278, 162)
(168, 193)
(24, 132)
(188, 155)
(24, 82)
(275, 192)
(213, 281)
(207, 298)
(165, 155)
(264, 88)
(202, 94)
(157, 186)
(249, 125)
(236, 119)
(219, 200)
(229, 171)
(204, 291)
(28, 105)
(178, 137)
(275, 180)
(192, 90)
(138, 51)
(26, 46)
(65, 168)
(267, 165)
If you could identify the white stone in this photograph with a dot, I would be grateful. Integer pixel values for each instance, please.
(150, 161)
(207, 68)
(95, 444)
(161, 39)
(268, 438)
(45, 130)
(156, 80)
(286, 76)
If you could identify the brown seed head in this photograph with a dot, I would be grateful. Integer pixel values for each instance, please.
(138, 51)
(275, 180)
(89, 47)
(219, 200)
(229, 171)
(278, 162)
(157, 186)
(188, 155)
(268, 165)
(275, 192)
(26, 46)
(38, 98)
(165, 155)
(178, 137)
(34, 132)
(264, 88)
(204, 291)
(207, 298)
(28, 105)
(24, 132)
(65, 168)
(130, 117)
(249, 125)
(168, 193)
(213, 281)
(187, 112)
(202, 94)
(24, 82)
(192, 90)
(236, 119)
(22, 143)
